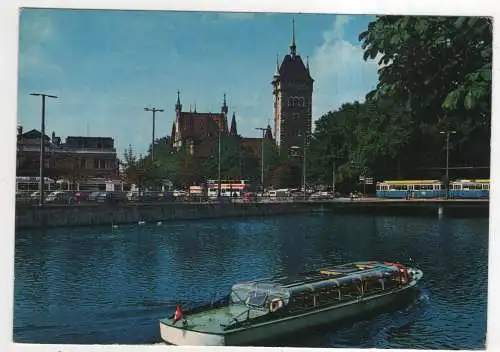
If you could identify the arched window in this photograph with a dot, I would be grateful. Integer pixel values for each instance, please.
(301, 101)
(290, 102)
(295, 101)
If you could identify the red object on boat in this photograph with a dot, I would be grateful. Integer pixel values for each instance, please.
(402, 270)
(178, 314)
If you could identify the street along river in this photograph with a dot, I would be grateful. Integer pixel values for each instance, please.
(106, 285)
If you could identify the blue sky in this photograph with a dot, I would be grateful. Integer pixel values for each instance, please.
(106, 66)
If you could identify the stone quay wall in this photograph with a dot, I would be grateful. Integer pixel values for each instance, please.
(108, 214)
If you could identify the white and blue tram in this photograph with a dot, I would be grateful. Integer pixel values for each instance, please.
(409, 189)
(461, 189)
(479, 188)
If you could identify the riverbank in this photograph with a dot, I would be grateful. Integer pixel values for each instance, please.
(108, 214)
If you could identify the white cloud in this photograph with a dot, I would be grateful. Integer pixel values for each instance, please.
(341, 75)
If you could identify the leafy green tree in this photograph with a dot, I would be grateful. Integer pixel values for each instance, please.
(439, 68)
(286, 175)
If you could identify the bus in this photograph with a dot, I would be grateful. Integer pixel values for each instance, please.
(478, 188)
(228, 188)
(410, 189)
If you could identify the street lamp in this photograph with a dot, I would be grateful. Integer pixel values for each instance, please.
(333, 177)
(304, 136)
(218, 166)
(153, 110)
(448, 132)
(262, 156)
(42, 144)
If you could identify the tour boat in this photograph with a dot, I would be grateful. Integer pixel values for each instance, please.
(265, 309)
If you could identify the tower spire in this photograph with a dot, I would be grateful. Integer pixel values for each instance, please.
(224, 105)
(233, 131)
(293, 47)
(178, 106)
(277, 65)
(307, 63)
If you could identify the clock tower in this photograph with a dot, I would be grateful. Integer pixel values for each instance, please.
(292, 92)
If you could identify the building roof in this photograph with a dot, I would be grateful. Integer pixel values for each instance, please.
(34, 134)
(198, 125)
(69, 138)
(293, 67)
(233, 131)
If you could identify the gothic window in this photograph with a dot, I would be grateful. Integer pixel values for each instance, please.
(294, 102)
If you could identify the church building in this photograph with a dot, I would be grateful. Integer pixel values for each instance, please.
(292, 92)
(197, 130)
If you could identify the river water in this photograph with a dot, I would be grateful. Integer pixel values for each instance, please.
(102, 285)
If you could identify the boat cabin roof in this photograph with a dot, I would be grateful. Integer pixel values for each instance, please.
(311, 281)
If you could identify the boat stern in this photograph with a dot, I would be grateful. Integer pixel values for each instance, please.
(183, 336)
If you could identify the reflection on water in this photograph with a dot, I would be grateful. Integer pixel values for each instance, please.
(104, 285)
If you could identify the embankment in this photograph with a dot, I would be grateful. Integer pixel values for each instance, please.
(107, 214)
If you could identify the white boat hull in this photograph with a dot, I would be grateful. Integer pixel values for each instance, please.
(250, 334)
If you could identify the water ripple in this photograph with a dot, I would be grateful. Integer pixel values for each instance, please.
(103, 285)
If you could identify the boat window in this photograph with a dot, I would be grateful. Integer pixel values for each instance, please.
(257, 299)
(239, 295)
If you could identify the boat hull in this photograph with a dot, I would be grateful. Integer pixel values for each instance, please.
(272, 329)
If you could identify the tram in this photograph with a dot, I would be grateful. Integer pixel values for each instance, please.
(410, 188)
(478, 188)
(459, 189)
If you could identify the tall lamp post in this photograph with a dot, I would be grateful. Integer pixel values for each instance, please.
(447, 133)
(304, 135)
(218, 166)
(262, 156)
(42, 145)
(154, 111)
(333, 177)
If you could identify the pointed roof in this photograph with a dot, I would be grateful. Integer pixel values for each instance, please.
(293, 47)
(277, 73)
(292, 66)
(224, 108)
(269, 134)
(178, 105)
(233, 131)
(172, 134)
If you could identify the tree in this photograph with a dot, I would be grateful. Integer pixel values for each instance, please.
(286, 175)
(439, 68)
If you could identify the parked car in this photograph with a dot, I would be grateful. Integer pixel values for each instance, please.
(112, 197)
(149, 196)
(133, 195)
(180, 193)
(166, 196)
(93, 196)
(60, 197)
(23, 197)
(249, 196)
(35, 195)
